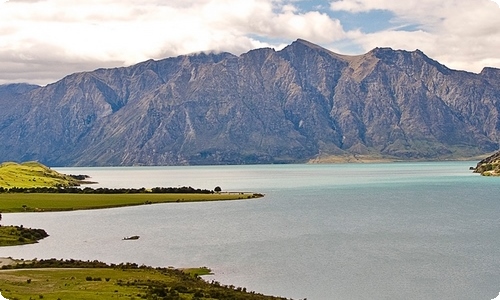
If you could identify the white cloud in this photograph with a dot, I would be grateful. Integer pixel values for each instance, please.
(58, 35)
(460, 34)
(43, 40)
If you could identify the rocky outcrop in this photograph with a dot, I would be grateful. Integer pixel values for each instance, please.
(265, 106)
(490, 166)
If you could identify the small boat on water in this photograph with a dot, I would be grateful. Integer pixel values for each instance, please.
(134, 237)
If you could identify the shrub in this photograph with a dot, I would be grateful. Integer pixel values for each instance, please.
(199, 294)
(181, 289)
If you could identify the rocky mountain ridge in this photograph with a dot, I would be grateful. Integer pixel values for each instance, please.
(265, 106)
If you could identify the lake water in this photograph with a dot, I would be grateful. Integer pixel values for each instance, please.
(343, 231)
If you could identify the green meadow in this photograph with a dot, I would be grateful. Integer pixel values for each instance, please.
(78, 280)
(29, 202)
(84, 284)
(31, 175)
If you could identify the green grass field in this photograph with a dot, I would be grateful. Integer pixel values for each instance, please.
(76, 284)
(21, 202)
(90, 283)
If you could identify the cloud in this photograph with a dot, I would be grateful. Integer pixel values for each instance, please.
(43, 40)
(51, 37)
(460, 34)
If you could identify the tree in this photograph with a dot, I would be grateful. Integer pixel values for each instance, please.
(217, 189)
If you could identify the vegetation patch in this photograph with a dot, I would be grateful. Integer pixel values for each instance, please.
(490, 166)
(93, 280)
(19, 235)
(34, 174)
(489, 169)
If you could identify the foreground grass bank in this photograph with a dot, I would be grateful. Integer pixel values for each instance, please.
(29, 202)
(54, 279)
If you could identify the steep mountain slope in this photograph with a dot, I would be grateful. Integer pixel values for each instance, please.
(264, 106)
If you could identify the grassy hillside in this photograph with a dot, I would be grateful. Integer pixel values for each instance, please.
(489, 169)
(57, 279)
(32, 174)
(489, 166)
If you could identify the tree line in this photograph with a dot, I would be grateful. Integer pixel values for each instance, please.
(89, 190)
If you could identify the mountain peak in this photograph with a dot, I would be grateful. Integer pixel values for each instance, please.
(301, 43)
(263, 106)
(307, 43)
(214, 57)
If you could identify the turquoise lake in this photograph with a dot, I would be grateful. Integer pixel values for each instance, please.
(340, 231)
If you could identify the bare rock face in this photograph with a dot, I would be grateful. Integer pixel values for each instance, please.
(264, 106)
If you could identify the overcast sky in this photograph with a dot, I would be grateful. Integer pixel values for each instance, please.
(41, 41)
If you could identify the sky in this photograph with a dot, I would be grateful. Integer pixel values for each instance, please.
(41, 41)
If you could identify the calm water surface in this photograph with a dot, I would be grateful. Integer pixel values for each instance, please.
(346, 231)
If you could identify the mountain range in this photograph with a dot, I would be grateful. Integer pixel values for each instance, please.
(302, 103)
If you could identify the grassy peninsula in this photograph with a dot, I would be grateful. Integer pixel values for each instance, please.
(19, 235)
(93, 280)
(33, 174)
(33, 187)
(43, 202)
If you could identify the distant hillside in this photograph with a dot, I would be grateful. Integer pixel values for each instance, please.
(298, 104)
(32, 174)
(490, 166)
